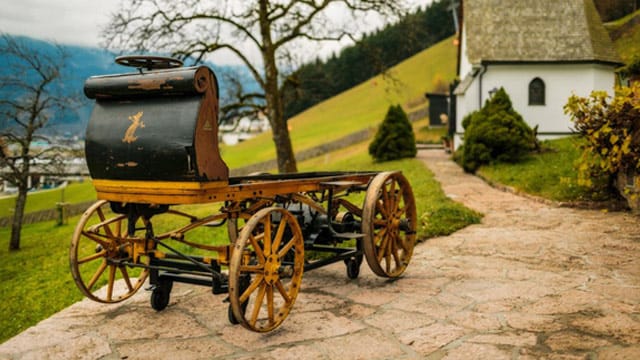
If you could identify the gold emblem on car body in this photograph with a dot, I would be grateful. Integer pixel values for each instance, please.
(136, 122)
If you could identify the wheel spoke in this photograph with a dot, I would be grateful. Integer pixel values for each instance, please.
(393, 196)
(106, 227)
(92, 257)
(285, 249)
(381, 209)
(283, 292)
(267, 235)
(402, 241)
(97, 275)
(394, 252)
(252, 287)
(119, 229)
(257, 249)
(95, 238)
(125, 276)
(378, 223)
(257, 305)
(270, 311)
(280, 233)
(382, 246)
(384, 193)
(112, 279)
(252, 268)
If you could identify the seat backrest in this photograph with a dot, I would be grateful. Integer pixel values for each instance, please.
(156, 125)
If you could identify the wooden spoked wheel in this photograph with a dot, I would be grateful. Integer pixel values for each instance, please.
(270, 252)
(389, 224)
(99, 246)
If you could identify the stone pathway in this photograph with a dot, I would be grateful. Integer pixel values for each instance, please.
(532, 281)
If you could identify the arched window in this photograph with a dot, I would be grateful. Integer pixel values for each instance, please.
(536, 92)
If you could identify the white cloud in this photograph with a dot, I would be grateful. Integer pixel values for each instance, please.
(73, 22)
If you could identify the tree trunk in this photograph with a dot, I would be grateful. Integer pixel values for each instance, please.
(284, 149)
(16, 226)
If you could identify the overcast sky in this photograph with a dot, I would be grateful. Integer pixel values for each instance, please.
(76, 22)
(72, 22)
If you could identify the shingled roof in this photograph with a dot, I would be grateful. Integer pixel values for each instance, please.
(536, 31)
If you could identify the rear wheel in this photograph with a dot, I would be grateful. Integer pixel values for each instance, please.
(389, 224)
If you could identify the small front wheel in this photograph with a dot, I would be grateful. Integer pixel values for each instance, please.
(161, 294)
(353, 267)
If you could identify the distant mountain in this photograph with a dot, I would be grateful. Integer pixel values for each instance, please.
(84, 62)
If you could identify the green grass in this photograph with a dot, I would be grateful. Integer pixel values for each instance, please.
(43, 200)
(426, 134)
(361, 107)
(550, 174)
(35, 282)
(628, 44)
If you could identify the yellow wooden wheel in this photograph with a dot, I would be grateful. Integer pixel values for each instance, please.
(389, 224)
(99, 246)
(266, 269)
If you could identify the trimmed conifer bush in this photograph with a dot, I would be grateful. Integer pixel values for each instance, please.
(395, 138)
(495, 133)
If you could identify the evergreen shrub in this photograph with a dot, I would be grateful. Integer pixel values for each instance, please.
(395, 138)
(495, 133)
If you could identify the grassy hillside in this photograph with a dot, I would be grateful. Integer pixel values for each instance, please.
(358, 108)
(625, 34)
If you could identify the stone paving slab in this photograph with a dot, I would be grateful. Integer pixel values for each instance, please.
(532, 281)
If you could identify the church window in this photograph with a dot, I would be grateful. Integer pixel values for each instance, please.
(536, 92)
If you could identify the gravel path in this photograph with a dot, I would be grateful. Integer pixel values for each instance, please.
(533, 281)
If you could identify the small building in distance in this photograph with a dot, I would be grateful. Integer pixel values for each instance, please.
(540, 51)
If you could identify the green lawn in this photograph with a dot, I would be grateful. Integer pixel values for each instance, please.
(35, 282)
(47, 199)
(426, 134)
(550, 174)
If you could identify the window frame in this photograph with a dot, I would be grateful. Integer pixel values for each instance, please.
(537, 85)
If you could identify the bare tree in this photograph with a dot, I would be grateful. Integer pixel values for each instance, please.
(263, 34)
(28, 99)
